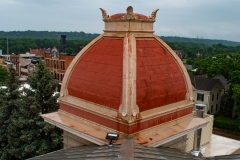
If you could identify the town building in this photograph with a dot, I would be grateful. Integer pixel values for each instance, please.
(39, 53)
(208, 91)
(188, 67)
(180, 53)
(10, 59)
(126, 81)
(23, 63)
(1, 59)
(57, 62)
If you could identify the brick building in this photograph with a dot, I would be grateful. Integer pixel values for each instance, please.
(57, 62)
(38, 52)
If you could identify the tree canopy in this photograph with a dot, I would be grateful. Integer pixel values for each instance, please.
(8, 99)
(23, 45)
(23, 132)
(228, 66)
(22, 41)
(3, 75)
(90, 36)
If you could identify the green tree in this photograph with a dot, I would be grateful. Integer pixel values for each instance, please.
(3, 75)
(44, 85)
(69, 50)
(39, 137)
(228, 66)
(23, 132)
(33, 136)
(8, 98)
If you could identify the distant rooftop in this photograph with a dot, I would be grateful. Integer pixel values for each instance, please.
(203, 83)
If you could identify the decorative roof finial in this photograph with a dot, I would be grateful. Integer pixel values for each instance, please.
(129, 14)
(104, 14)
(153, 15)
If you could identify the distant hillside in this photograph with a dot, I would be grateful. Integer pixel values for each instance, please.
(47, 35)
(90, 36)
(208, 42)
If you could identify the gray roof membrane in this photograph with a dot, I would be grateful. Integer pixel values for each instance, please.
(116, 152)
(127, 150)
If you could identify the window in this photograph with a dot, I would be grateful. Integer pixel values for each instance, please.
(212, 97)
(62, 65)
(216, 107)
(62, 76)
(217, 96)
(200, 97)
(211, 108)
(52, 64)
(55, 64)
(47, 63)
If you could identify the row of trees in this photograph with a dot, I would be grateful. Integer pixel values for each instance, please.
(74, 46)
(191, 49)
(18, 46)
(23, 132)
(47, 35)
(228, 66)
(207, 42)
(90, 36)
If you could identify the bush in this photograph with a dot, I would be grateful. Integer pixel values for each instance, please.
(227, 124)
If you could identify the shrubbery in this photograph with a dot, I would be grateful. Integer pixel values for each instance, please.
(226, 124)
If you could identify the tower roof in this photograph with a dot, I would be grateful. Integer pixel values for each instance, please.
(127, 80)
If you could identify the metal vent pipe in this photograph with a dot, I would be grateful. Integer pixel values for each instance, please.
(198, 132)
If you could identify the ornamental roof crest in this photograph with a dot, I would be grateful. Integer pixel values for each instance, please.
(129, 15)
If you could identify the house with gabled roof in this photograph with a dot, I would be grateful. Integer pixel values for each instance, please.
(208, 91)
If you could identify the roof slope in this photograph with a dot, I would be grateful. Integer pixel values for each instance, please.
(116, 152)
(203, 83)
(123, 153)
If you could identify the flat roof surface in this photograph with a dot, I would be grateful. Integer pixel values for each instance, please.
(220, 146)
(157, 138)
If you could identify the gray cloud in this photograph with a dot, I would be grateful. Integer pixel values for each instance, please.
(212, 19)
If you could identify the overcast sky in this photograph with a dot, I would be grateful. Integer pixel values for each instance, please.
(210, 19)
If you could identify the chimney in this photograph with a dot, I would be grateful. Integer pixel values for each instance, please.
(201, 71)
(197, 134)
(63, 43)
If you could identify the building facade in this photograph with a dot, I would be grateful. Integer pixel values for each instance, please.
(10, 58)
(180, 53)
(39, 53)
(209, 92)
(57, 62)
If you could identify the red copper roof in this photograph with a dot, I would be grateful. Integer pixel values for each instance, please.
(120, 15)
(159, 79)
(97, 77)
